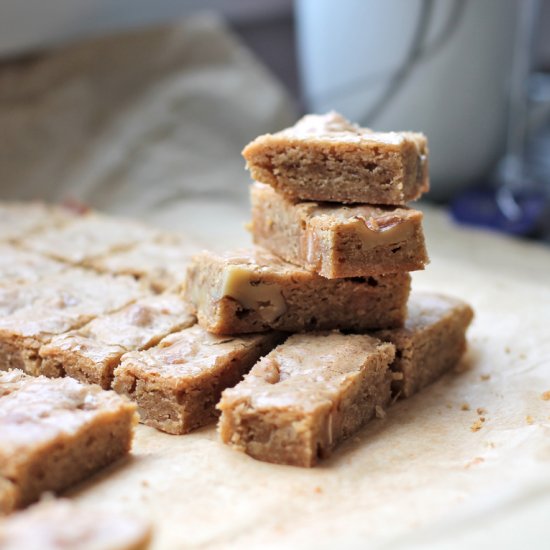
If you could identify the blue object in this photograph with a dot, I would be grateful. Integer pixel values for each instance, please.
(480, 207)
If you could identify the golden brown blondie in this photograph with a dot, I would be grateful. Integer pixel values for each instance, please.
(306, 396)
(252, 290)
(338, 241)
(326, 158)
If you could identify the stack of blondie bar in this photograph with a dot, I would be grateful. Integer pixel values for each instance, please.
(335, 243)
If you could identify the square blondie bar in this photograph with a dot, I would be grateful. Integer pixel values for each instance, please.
(306, 396)
(55, 433)
(161, 261)
(86, 238)
(431, 343)
(326, 158)
(32, 314)
(91, 353)
(177, 384)
(63, 525)
(252, 290)
(22, 266)
(338, 241)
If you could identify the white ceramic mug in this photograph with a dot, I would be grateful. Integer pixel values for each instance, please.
(457, 93)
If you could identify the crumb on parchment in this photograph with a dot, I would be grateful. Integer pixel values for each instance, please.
(546, 396)
(464, 407)
(477, 425)
(474, 462)
(485, 377)
(529, 419)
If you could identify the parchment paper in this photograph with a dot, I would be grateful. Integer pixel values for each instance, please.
(420, 478)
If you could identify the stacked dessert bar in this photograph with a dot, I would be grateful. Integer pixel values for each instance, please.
(335, 243)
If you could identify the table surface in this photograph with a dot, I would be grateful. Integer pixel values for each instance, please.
(419, 478)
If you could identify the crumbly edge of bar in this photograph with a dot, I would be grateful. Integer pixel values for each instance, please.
(267, 437)
(338, 172)
(167, 410)
(68, 460)
(341, 255)
(57, 363)
(425, 355)
(17, 352)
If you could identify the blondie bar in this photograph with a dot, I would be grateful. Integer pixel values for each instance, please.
(338, 241)
(326, 158)
(161, 261)
(32, 314)
(63, 525)
(56, 432)
(177, 383)
(432, 341)
(306, 396)
(87, 238)
(91, 353)
(253, 290)
(22, 266)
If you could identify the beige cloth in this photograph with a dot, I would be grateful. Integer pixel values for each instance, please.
(133, 122)
(128, 128)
